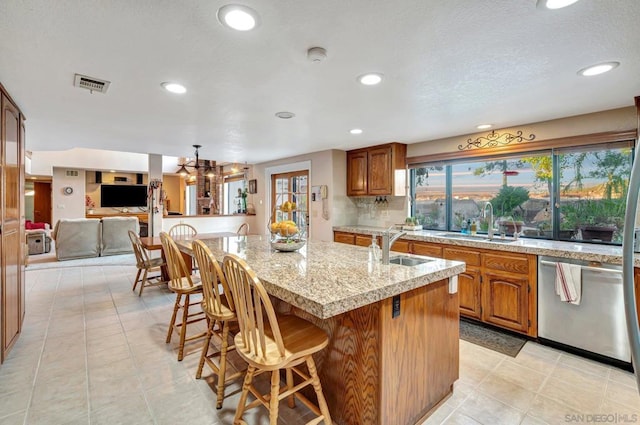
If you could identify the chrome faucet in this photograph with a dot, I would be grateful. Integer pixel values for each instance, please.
(387, 241)
(490, 228)
(515, 229)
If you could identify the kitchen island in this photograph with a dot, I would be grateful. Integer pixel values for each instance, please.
(393, 351)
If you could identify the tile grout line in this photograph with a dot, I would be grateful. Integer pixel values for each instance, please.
(86, 347)
(475, 389)
(44, 340)
(131, 354)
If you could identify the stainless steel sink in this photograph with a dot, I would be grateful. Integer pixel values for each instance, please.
(408, 261)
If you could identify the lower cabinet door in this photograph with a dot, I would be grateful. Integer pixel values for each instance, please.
(469, 293)
(505, 301)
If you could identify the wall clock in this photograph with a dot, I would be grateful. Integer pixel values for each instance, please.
(67, 190)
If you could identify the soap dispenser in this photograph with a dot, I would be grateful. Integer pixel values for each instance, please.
(374, 250)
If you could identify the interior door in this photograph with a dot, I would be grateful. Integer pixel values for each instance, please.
(42, 203)
(12, 246)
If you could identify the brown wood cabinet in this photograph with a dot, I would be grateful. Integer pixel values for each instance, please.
(469, 282)
(12, 235)
(357, 173)
(364, 240)
(497, 287)
(142, 217)
(427, 249)
(371, 171)
(343, 237)
(509, 291)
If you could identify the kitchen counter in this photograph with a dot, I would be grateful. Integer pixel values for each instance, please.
(578, 251)
(326, 278)
(393, 352)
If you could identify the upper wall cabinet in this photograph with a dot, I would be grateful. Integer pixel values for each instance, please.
(378, 170)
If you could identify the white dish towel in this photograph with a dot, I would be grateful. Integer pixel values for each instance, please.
(569, 282)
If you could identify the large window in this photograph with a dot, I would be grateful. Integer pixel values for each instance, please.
(567, 194)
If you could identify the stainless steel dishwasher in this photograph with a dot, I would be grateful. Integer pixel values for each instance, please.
(598, 324)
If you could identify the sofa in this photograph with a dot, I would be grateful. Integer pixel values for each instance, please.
(93, 237)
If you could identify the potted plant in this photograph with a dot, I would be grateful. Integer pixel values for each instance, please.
(411, 223)
(89, 204)
(597, 219)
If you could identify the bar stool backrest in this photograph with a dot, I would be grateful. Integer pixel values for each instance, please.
(176, 266)
(253, 306)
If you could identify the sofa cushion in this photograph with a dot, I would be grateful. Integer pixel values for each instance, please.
(77, 238)
(115, 234)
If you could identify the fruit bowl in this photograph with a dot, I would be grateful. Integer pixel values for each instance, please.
(288, 232)
(287, 245)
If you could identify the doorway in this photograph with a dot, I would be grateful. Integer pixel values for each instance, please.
(42, 202)
(292, 187)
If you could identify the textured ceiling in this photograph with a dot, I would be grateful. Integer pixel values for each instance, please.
(448, 66)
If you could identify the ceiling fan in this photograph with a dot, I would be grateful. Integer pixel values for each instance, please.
(209, 171)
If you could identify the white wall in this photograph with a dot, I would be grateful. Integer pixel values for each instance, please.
(67, 206)
(42, 162)
(325, 168)
(213, 224)
(621, 119)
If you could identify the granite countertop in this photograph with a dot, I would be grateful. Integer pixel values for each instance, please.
(327, 278)
(579, 251)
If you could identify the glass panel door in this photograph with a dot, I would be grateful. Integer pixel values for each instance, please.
(292, 188)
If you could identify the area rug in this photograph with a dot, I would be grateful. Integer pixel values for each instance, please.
(492, 339)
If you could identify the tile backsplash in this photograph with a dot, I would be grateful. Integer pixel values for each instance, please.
(382, 211)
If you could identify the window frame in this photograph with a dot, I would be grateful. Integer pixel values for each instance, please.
(554, 148)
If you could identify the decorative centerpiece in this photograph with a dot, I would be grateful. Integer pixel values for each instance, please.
(288, 229)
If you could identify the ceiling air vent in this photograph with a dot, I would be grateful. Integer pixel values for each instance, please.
(72, 173)
(91, 84)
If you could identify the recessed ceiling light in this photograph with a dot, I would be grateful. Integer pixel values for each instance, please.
(370, 79)
(355, 131)
(484, 126)
(285, 115)
(174, 87)
(238, 17)
(600, 68)
(555, 4)
(112, 171)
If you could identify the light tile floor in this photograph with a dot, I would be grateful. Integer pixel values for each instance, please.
(93, 352)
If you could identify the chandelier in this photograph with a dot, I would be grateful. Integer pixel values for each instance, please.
(209, 171)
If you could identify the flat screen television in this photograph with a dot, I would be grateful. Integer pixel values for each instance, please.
(113, 195)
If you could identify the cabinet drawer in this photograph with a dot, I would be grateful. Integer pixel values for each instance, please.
(470, 257)
(363, 240)
(342, 237)
(401, 246)
(506, 262)
(430, 250)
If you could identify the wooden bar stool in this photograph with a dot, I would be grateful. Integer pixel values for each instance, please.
(145, 264)
(269, 343)
(182, 231)
(218, 307)
(184, 285)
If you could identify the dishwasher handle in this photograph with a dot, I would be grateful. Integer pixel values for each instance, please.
(590, 268)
